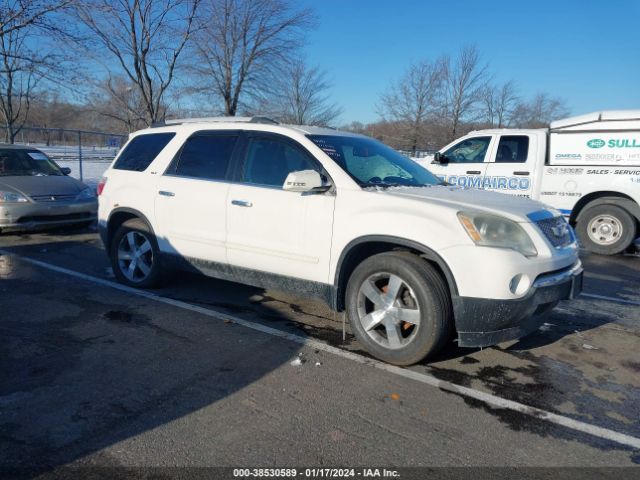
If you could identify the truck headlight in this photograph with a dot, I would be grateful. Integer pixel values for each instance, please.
(12, 197)
(493, 231)
(86, 194)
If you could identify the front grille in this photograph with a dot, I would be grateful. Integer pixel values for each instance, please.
(56, 218)
(54, 197)
(557, 231)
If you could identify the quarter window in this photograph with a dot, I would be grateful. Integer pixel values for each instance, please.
(268, 162)
(471, 150)
(141, 151)
(513, 149)
(205, 156)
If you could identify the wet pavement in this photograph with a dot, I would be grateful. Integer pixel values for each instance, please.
(91, 374)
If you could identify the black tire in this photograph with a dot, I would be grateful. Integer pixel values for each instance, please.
(432, 299)
(617, 218)
(140, 228)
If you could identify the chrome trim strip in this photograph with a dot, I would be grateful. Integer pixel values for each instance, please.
(559, 277)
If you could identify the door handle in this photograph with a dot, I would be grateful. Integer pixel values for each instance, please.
(521, 173)
(473, 172)
(241, 203)
(164, 193)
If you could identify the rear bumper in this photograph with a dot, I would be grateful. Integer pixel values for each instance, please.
(36, 215)
(481, 322)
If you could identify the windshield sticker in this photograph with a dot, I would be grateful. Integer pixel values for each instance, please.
(38, 156)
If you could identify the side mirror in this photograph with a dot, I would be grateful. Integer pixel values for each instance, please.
(440, 159)
(304, 181)
(65, 170)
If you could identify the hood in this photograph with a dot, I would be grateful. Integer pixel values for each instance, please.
(515, 208)
(42, 185)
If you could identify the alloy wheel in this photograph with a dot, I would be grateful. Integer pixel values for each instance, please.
(135, 256)
(388, 310)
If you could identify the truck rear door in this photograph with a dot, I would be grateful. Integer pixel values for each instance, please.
(512, 165)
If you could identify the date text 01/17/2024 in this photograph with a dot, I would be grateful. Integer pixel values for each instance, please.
(315, 473)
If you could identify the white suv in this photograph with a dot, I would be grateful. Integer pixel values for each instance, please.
(341, 217)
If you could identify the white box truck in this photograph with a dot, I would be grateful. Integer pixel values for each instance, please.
(588, 167)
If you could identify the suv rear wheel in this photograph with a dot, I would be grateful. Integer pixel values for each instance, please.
(399, 307)
(134, 255)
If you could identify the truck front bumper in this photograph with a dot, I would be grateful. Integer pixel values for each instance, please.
(481, 322)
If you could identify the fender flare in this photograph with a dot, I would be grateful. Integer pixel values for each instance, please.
(106, 230)
(629, 205)
(425, 252)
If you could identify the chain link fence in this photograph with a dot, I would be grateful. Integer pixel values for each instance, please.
(86, 153)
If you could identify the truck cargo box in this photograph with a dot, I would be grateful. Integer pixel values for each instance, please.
(610, 138)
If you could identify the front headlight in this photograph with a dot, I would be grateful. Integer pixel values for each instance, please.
(12, 197)
(86, 194)
(493, 231)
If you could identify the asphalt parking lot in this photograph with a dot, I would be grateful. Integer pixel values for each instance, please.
(199, 373)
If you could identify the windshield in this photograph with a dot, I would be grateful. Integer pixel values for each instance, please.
(17, 162)
(372, 163)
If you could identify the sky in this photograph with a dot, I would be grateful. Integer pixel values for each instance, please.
(587, 52)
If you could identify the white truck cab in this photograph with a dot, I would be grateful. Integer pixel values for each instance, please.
(587, 167)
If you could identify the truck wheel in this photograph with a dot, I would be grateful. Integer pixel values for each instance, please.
(399, 307)
(135, 255)
(606, 229)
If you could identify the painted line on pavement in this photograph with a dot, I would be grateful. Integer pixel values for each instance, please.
(489, 399)
(610, 299)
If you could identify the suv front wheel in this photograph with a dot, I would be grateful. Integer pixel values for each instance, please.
(399, 307)
(134, 255)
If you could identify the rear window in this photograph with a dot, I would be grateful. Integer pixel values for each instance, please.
(269, 161)
(142, 150)
(205, 156)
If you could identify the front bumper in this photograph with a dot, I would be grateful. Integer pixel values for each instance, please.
(481, 322)
(32, 215)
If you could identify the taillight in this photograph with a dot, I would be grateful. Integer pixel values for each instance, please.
(103, 182)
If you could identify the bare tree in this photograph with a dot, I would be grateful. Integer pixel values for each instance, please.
(498, 102)
(145, 38)
(466, 79)
(25, 59)
(18, 78)
(415, 97)
(539, 111)
(18, 14)
(301, 97)
(243, 44)
(21, 70)
(122, 103)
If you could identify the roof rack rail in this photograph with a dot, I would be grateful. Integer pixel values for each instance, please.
(180, 121)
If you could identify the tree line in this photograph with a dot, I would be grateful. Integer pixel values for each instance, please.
(121, 65)
(436, 101)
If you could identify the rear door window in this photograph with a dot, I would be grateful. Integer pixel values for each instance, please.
(205, 156)
(142, 150)
(513, 149)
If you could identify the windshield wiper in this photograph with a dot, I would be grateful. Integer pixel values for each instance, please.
(381, 185)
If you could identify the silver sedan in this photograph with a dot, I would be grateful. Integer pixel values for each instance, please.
(35, 192)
